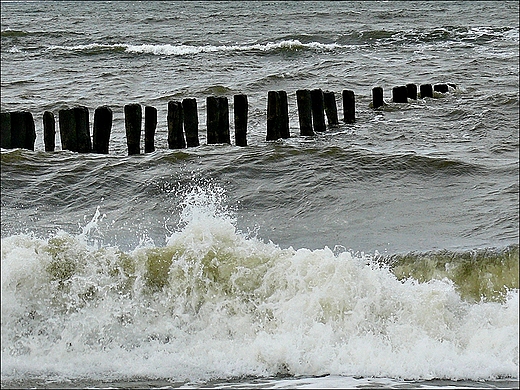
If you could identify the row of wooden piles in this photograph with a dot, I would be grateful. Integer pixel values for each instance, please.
(402, 93)
(18, 130)
(313, 106)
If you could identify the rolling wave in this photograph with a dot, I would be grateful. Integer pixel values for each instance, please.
(182, 50)
(215, 302)
(487, 274)
(290, 44)
(353, 161)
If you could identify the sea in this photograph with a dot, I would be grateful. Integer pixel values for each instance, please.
(376, 254)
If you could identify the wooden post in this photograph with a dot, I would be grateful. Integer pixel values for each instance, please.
(223, 121)
(67, 124)
(5, 136)
(191, 122)
(303, 101)
(329, 102)
(81, 117)
(399, 94)
(23, 133)
(175, 121)
(411, 91)
(212, 121)
(49, 131)
(377, 97)
(133, 124)
(283, 115)
(318, 117)
(75, 129)
(443, 88)
(349, 106)
(150, 124)
(102, 128)
(273, 104)
(426, 90)
(240, 108)
(30, 131)
(277, 115)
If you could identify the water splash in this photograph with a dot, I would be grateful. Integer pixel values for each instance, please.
(214, 303)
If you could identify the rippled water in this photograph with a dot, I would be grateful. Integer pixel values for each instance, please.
(297, 262)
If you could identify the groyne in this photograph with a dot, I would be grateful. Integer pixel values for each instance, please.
(316, 108)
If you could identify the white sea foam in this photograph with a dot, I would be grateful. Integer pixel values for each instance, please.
(215, 303)
(292, 44)
(181, 50)
(90, 46)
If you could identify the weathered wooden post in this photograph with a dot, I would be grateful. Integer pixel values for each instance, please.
(318, 117)
(273, 104)
(443, 88)
(377, 97)
(150, 124)
(400, 94)
(240, 108)
(303, 101)
(329, 102)
(102, 128)
(283, 115)
(217, 119)
(223, 121)
(133, 124)
(81, 117)
(75, 129)
(426, 90)
(191, 122)
(349, 106)
(23, 133)
(175, 121)
(277, 115)
(5, 135)
(411, 91)
(212, 121)
(67, 124)
(49, 131)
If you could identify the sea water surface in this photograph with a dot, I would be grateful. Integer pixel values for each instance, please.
(382, 253)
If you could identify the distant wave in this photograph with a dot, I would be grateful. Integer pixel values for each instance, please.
(93, 48)
(286, 45)
(13, 33)
(293, 43)
(181, 50)
(365, 162)
(360, 162)
(438, 34)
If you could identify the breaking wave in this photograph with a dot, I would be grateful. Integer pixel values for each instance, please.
(215, 302)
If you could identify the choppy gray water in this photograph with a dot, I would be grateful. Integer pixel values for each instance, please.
(434, 180)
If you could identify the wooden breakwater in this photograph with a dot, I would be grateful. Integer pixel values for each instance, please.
(316, 109)
(401, 93)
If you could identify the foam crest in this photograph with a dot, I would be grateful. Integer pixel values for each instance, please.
(287, 45)
(89, 48)
(214, 303)
(182, 50)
